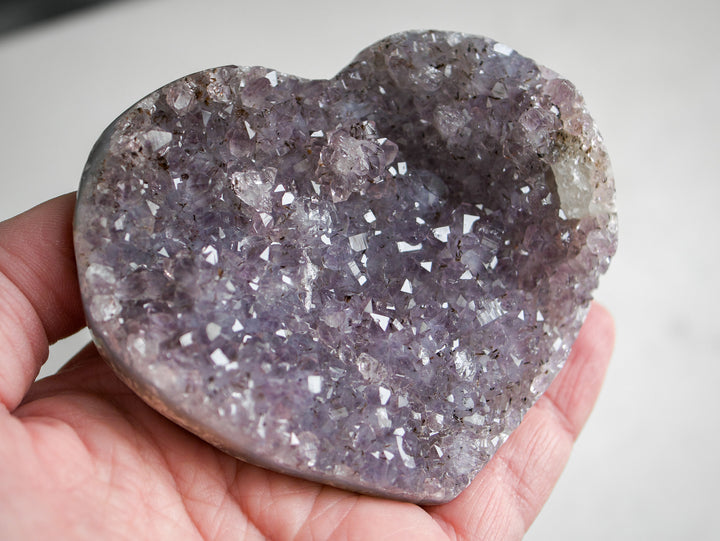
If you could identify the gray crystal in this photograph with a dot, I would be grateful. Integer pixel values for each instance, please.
(365, 281)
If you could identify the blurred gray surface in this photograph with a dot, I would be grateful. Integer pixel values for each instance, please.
(18, 14)
(646, 465)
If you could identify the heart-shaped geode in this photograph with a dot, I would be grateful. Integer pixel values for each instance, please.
(365, 281)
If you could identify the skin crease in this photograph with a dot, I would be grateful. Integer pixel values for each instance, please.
(81, 457)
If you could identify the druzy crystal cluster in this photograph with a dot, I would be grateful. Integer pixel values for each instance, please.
(364, 281)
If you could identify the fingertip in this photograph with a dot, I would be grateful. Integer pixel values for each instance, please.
(37, 256)
(601, 323)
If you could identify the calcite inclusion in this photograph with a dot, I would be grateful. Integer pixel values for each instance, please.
(364, 281)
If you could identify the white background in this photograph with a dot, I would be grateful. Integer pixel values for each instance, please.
(646, 466)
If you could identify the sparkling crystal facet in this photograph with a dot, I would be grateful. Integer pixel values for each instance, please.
(365, 281)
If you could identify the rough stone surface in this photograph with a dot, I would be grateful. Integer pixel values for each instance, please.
(365, 281)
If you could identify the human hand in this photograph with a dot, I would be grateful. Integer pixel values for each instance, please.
(82, 457)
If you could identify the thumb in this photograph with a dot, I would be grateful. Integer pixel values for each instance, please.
(39, 291)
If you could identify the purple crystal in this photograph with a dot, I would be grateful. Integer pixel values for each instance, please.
(365, 281)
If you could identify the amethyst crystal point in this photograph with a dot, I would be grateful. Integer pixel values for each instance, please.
(365, 281)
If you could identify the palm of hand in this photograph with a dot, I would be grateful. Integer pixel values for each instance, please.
(82, 457)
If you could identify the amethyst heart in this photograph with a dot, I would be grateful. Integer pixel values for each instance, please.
(365, 281)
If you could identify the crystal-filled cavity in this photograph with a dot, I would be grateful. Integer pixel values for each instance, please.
(364, 281)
